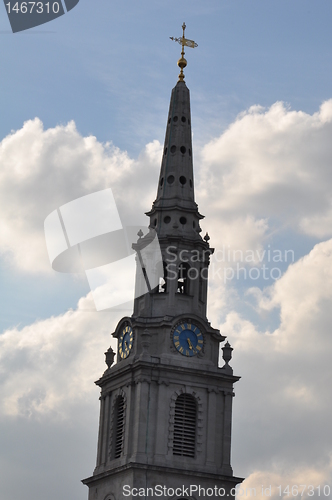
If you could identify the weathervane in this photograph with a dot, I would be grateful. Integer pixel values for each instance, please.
(182, 63)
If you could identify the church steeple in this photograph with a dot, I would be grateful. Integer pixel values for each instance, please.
(166, 405)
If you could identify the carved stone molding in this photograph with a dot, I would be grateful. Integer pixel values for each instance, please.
(227, 392)
(213, 389)
(139, 380)
(163, 382)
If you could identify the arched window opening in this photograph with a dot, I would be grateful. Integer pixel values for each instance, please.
(162, 288)
(184, 441)
(118, 427)
(183, 279)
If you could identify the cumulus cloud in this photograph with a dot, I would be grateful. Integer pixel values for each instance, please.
(285, 483)
(270, 168)
(49, 403)
(38, 361)
(283, 404)
(43, 169)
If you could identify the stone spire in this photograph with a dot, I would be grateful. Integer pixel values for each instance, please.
(175, 209)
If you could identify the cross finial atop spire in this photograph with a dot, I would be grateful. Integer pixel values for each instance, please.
(182, 63)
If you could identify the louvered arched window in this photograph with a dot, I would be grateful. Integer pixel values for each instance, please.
(118, 427)
(184, 441)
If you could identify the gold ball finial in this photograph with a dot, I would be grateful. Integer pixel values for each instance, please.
(182, 63)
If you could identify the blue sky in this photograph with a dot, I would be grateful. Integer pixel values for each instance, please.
(261, 84)
(110, 65)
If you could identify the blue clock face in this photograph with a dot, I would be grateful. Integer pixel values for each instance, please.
(188, 339)
(126, 342)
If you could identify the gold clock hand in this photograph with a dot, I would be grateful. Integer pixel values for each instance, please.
(189, 343)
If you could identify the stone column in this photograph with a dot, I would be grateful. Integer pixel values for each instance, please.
(226, 456)
(140, 420)
(211, 428)
(162, 420)
(101, 428)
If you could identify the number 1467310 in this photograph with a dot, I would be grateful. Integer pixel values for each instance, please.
(33, 7)
(304, 489)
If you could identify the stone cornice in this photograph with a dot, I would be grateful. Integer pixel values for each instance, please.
(135, 372)
(162, 469)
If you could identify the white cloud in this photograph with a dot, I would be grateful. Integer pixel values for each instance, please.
(283, 404)
(306, 289)
(49, 402)
(48, 368)
(287, 483)
(270, 166)
(43, 169)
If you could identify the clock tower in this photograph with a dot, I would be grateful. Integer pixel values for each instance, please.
(166, 405)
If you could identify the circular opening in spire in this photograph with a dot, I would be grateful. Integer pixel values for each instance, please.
(167, 219)
(189, 151)
(183, 119)
(173, 149)
(183, 180)
(175, 119)
(170, 179)
(183, 220)
(183, 150)
(165, 151)
(161, 181)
